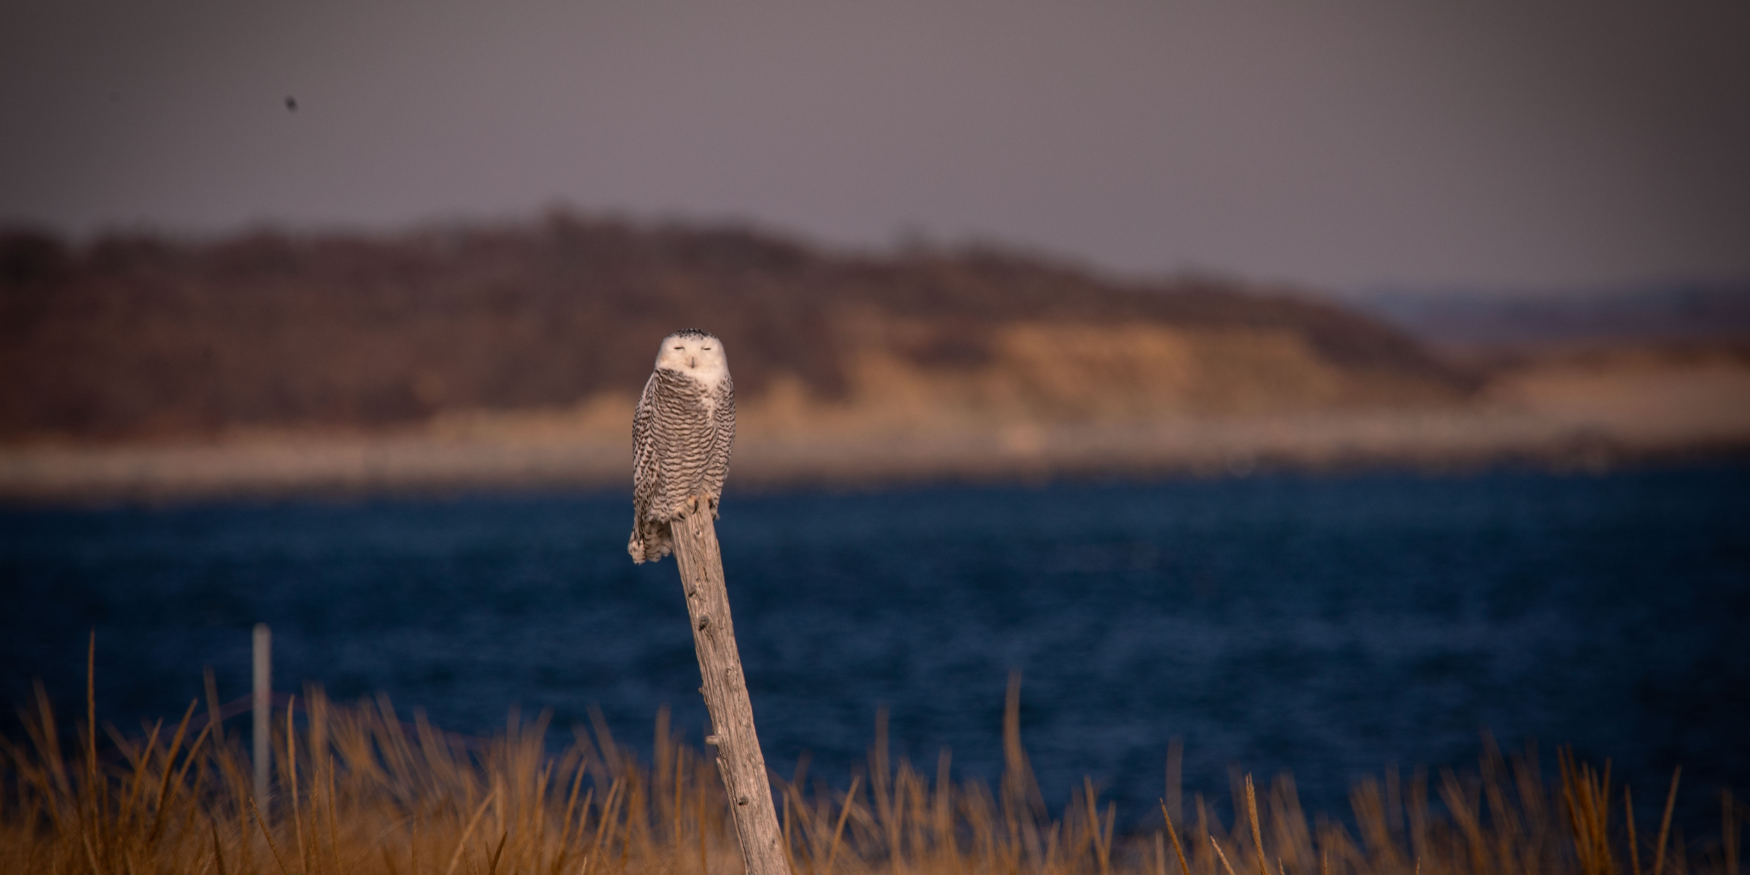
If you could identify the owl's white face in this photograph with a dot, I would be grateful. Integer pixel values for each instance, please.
(699, 356)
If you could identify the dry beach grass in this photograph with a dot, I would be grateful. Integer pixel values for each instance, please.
(357, 790)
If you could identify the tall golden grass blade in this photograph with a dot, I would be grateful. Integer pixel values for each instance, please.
(677, 761)
(90, 854)
(1051, 836)
(1634, 847)
(492, 869)
(188, 761)
(604, 738)
(1665, 823)
(271, 847)
(214, 718)
(141, 761)
(1464, 812)
(789, 839)
(94, 790)
(164, 782)
(1106, 836)
(462, 841)
(218, 852)
(333, 831)
(565, 819)
(1219, 855)
(881, 790)
(1257, 831)
(946, 845)
(91, 708)
(1173, 834)
(703, 837)
(609, 813)
(838, 831)
(1102, 850)
(1019, 788)
(292, 789)
(47, 741)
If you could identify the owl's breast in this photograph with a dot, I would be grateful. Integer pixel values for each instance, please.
(687, 397)
(696, 393)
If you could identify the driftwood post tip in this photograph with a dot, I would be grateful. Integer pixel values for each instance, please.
(739, 759)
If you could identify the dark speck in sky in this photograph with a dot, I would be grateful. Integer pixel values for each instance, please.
(1358, 144)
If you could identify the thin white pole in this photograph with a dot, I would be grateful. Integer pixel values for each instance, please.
(263, 705)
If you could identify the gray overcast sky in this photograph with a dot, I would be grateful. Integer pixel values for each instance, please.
(1342, 143)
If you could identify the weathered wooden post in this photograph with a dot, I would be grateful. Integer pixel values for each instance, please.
(738, 747)
(263, 665)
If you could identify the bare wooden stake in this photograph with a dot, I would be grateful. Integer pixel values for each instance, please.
(739, 759)
(263, 706)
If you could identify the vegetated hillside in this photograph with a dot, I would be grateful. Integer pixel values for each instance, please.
(140, 336)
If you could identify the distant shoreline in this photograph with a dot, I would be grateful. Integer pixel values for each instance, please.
(1575, 417)
(508, 356)
(282, 465)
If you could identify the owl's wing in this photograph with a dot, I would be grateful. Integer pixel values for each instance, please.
(726, 418)
(644, 468)
(722, 440)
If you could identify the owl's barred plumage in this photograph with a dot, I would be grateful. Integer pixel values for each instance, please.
(682, 432)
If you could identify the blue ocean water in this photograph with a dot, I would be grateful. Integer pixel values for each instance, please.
(1328, 625)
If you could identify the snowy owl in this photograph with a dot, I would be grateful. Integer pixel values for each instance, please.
(681, 433)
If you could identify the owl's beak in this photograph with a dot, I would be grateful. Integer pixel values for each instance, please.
(692, 362)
